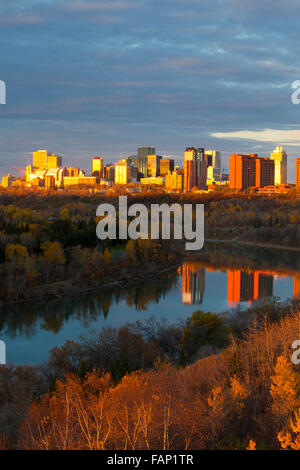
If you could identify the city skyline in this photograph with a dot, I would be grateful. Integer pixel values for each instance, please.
(104, 79)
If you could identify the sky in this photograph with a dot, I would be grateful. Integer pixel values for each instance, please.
(95, 77)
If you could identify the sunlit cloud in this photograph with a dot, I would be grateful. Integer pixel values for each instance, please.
(286, 137)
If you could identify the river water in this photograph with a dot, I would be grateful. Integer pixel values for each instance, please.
(218, 279)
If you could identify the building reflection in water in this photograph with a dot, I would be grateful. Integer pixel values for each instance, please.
(297, 286)
(242, 285)
(193, 283)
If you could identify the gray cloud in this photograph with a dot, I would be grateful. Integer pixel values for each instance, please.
(102, 77)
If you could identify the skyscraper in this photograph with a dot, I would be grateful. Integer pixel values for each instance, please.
(97, 167)
(142, 160)
(122, 172)
(153, 165)
(213, 160)
(264, 172)
(195, 174)
(242, 171)
(166, 166)
(280, 158)
(44, 161)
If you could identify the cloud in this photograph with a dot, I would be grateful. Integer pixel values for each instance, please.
(20, 20)
(289, 137)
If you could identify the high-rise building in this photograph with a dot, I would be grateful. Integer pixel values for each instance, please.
(174, 180)
(264, 172)
(298, 173)
(195, 174)
(44, 161)
(166, 166)
(7, 180)
(142, 160)
(153, 165)
(242, 171)
(190, 175)
(97, 167)
(213, 160)
(280, 158)
(109, 172)
(132, 160)
(122, 172)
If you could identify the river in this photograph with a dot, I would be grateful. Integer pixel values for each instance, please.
(218, 279)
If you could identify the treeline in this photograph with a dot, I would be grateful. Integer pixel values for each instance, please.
(48, 242)
(245, 397)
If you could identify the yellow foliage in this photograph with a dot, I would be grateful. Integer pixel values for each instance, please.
(291, 438)
(238, 390)
(53, 252)
(251, 445)
(13, 251)
(283, 387)
(107, 256)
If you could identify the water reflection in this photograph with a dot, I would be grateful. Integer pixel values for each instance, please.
(220, 278)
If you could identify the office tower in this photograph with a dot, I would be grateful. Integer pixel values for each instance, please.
(264, 172)
(195, 174)
(298, 173)
(166, 166)
(213, 160)
(44, 161)
(122, 172)
(190, 175)
(193, 283)
(132, 160)
(7, 180)
(174, 180)
(242, 171)
(280, 158)
(153, 165)
(97, 167)
(109, 173)
(142, 160)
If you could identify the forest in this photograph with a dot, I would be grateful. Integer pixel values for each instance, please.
(199, 385)
(208, 382)
(48, 242)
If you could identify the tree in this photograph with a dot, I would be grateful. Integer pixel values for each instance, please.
(107, 256)
(53, 252)
(283, 388)
(290, 439)
(15, 251)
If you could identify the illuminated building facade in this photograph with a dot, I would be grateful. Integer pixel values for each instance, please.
(264, 172)
(122, 172)
(142, 160)
(174, 181)
(44, 161)
(166, 166)
(153, 166)
(97, 167)
(280, 160)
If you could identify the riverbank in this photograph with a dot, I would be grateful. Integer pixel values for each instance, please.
(59, 289)
(238, 242)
